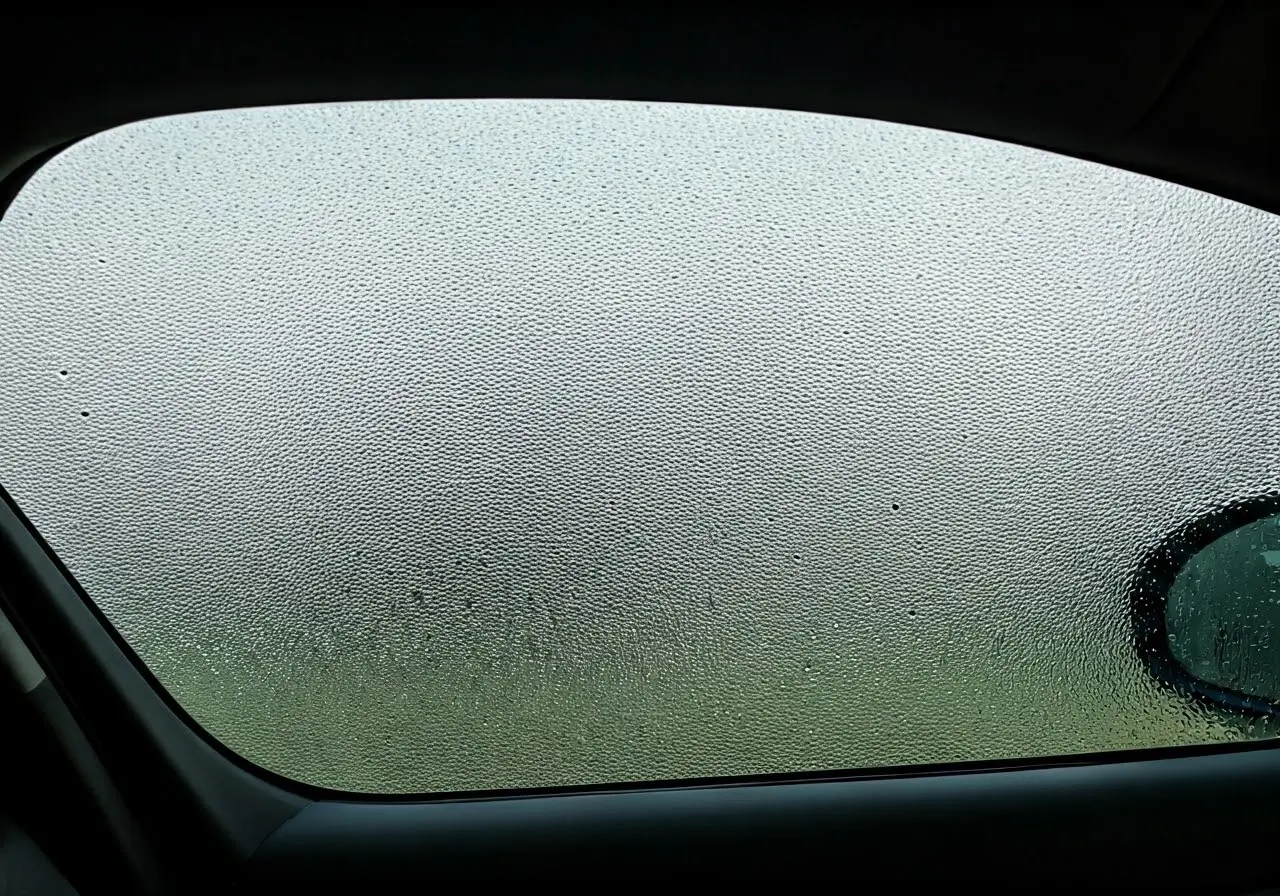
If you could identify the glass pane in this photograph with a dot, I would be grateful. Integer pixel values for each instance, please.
(445, 445)
(1223, 613)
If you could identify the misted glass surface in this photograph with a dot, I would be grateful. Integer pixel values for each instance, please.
(1223, 613)
(445, 445)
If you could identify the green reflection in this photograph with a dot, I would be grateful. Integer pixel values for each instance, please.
(1223, 613)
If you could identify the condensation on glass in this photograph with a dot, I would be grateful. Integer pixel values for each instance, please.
(427, 446)
(1223, 611)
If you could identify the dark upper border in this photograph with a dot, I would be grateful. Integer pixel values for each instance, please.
(1152, 579)
(1182, 90)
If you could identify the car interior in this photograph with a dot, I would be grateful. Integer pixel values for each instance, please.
(108, 786)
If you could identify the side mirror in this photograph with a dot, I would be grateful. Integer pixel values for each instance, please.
(1206, 607)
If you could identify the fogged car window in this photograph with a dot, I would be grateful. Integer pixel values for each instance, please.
(429, 446)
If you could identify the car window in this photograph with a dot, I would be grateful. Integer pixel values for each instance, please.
(432, 446)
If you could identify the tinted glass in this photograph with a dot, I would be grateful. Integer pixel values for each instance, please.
(1223, 612)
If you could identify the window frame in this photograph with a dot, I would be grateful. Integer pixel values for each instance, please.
(202, 808)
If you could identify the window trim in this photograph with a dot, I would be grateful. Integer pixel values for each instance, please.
(234, 821)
